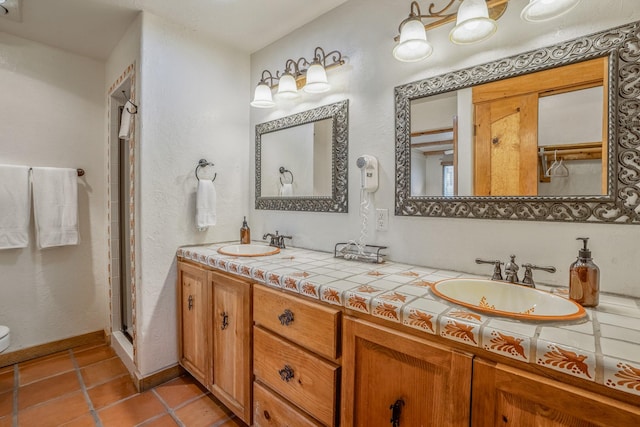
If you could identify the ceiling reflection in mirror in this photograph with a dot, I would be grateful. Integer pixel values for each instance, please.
(301, 161)
(550, 134)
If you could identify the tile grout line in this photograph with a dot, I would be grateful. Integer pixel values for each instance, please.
(16, 381)
(83, 387)
(169, 410)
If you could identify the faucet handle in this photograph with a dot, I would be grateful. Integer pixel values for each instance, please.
(528, 273)
(497, 272)
(548, 269)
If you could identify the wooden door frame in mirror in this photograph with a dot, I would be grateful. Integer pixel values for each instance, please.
(338, 202)
(621, 204)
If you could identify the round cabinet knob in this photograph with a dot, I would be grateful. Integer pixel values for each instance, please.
(286, 373)
(286, 318)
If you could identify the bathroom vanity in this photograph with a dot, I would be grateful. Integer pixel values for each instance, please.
(304, 339)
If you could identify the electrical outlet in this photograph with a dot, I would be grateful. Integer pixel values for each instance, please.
(382, 219)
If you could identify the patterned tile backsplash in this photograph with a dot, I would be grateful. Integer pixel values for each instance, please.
(604, 347)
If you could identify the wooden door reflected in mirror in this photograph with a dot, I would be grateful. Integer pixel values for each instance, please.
(511, 159)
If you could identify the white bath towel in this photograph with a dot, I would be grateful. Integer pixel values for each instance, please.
(15, 206)
(55, 206)
(125, 121)
(205, 204)
(286, 190)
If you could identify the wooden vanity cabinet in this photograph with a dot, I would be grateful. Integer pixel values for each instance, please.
(230, 338)
(507, 396)
(388, 374)
(214, 338)
(193, 312)
(296, 350)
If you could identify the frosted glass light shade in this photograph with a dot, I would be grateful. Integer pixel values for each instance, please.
(472, 23)
(262, 97)
(413, 45)
(287, 87)
(316, 79)
(544, 10)
(2, 1)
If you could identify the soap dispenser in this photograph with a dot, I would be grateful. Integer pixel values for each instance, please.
(584, 278)
(245, 232)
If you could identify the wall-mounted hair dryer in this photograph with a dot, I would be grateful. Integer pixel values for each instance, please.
(369, 168)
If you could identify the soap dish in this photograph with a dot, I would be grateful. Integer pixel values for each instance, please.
(355, 252)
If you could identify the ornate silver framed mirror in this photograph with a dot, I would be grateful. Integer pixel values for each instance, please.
(496, 166)
(301, 161)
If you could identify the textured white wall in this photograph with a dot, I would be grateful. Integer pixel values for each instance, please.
(53, 108)
(193, 104)
(364, 30)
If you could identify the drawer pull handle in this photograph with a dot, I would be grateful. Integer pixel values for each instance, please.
(190, 302)
(396, 410)
(225, 320)
(286, 373)
(267, 416)
(286, 317)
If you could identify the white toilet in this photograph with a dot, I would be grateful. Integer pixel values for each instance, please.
(4, 338)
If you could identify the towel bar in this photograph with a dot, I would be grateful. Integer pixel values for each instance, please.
(80, 171)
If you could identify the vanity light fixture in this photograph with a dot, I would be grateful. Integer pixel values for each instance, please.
(413, 44)
(311, 75)
(472, 23)
(475, 21)
(544, 10)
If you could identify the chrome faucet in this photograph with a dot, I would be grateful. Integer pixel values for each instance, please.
(511, 271)
(276, 240)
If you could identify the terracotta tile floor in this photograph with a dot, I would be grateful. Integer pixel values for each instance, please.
(89, 386)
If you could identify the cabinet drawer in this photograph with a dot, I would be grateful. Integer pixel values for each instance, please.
(304, 379)
(309, 324)
(271, 410)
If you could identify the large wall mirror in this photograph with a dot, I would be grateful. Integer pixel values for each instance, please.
(550, 135)
(301, 161)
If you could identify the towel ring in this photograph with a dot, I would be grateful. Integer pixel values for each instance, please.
(202, 164)
(282, 171)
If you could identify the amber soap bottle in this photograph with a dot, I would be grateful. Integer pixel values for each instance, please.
(245, 232)
(584, 278)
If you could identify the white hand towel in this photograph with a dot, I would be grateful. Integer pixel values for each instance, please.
(205, 204)
(125, 121)
(15, 206)
(55, 206)
(286, 190)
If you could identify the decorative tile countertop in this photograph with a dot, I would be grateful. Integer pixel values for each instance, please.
(604, 347)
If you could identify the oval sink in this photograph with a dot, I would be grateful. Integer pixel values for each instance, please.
(506, 299)
(248, 250)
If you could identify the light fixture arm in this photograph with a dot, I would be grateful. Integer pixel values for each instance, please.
(298, 68)
(268, 78)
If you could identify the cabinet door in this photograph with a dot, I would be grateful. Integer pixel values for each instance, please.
(506, 396)
(192, 315)
(231, 333)
(428, 384)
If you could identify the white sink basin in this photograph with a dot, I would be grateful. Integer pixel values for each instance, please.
(248, 250)
(506, 299)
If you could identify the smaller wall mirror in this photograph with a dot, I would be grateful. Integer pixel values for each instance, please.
(301, 161)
